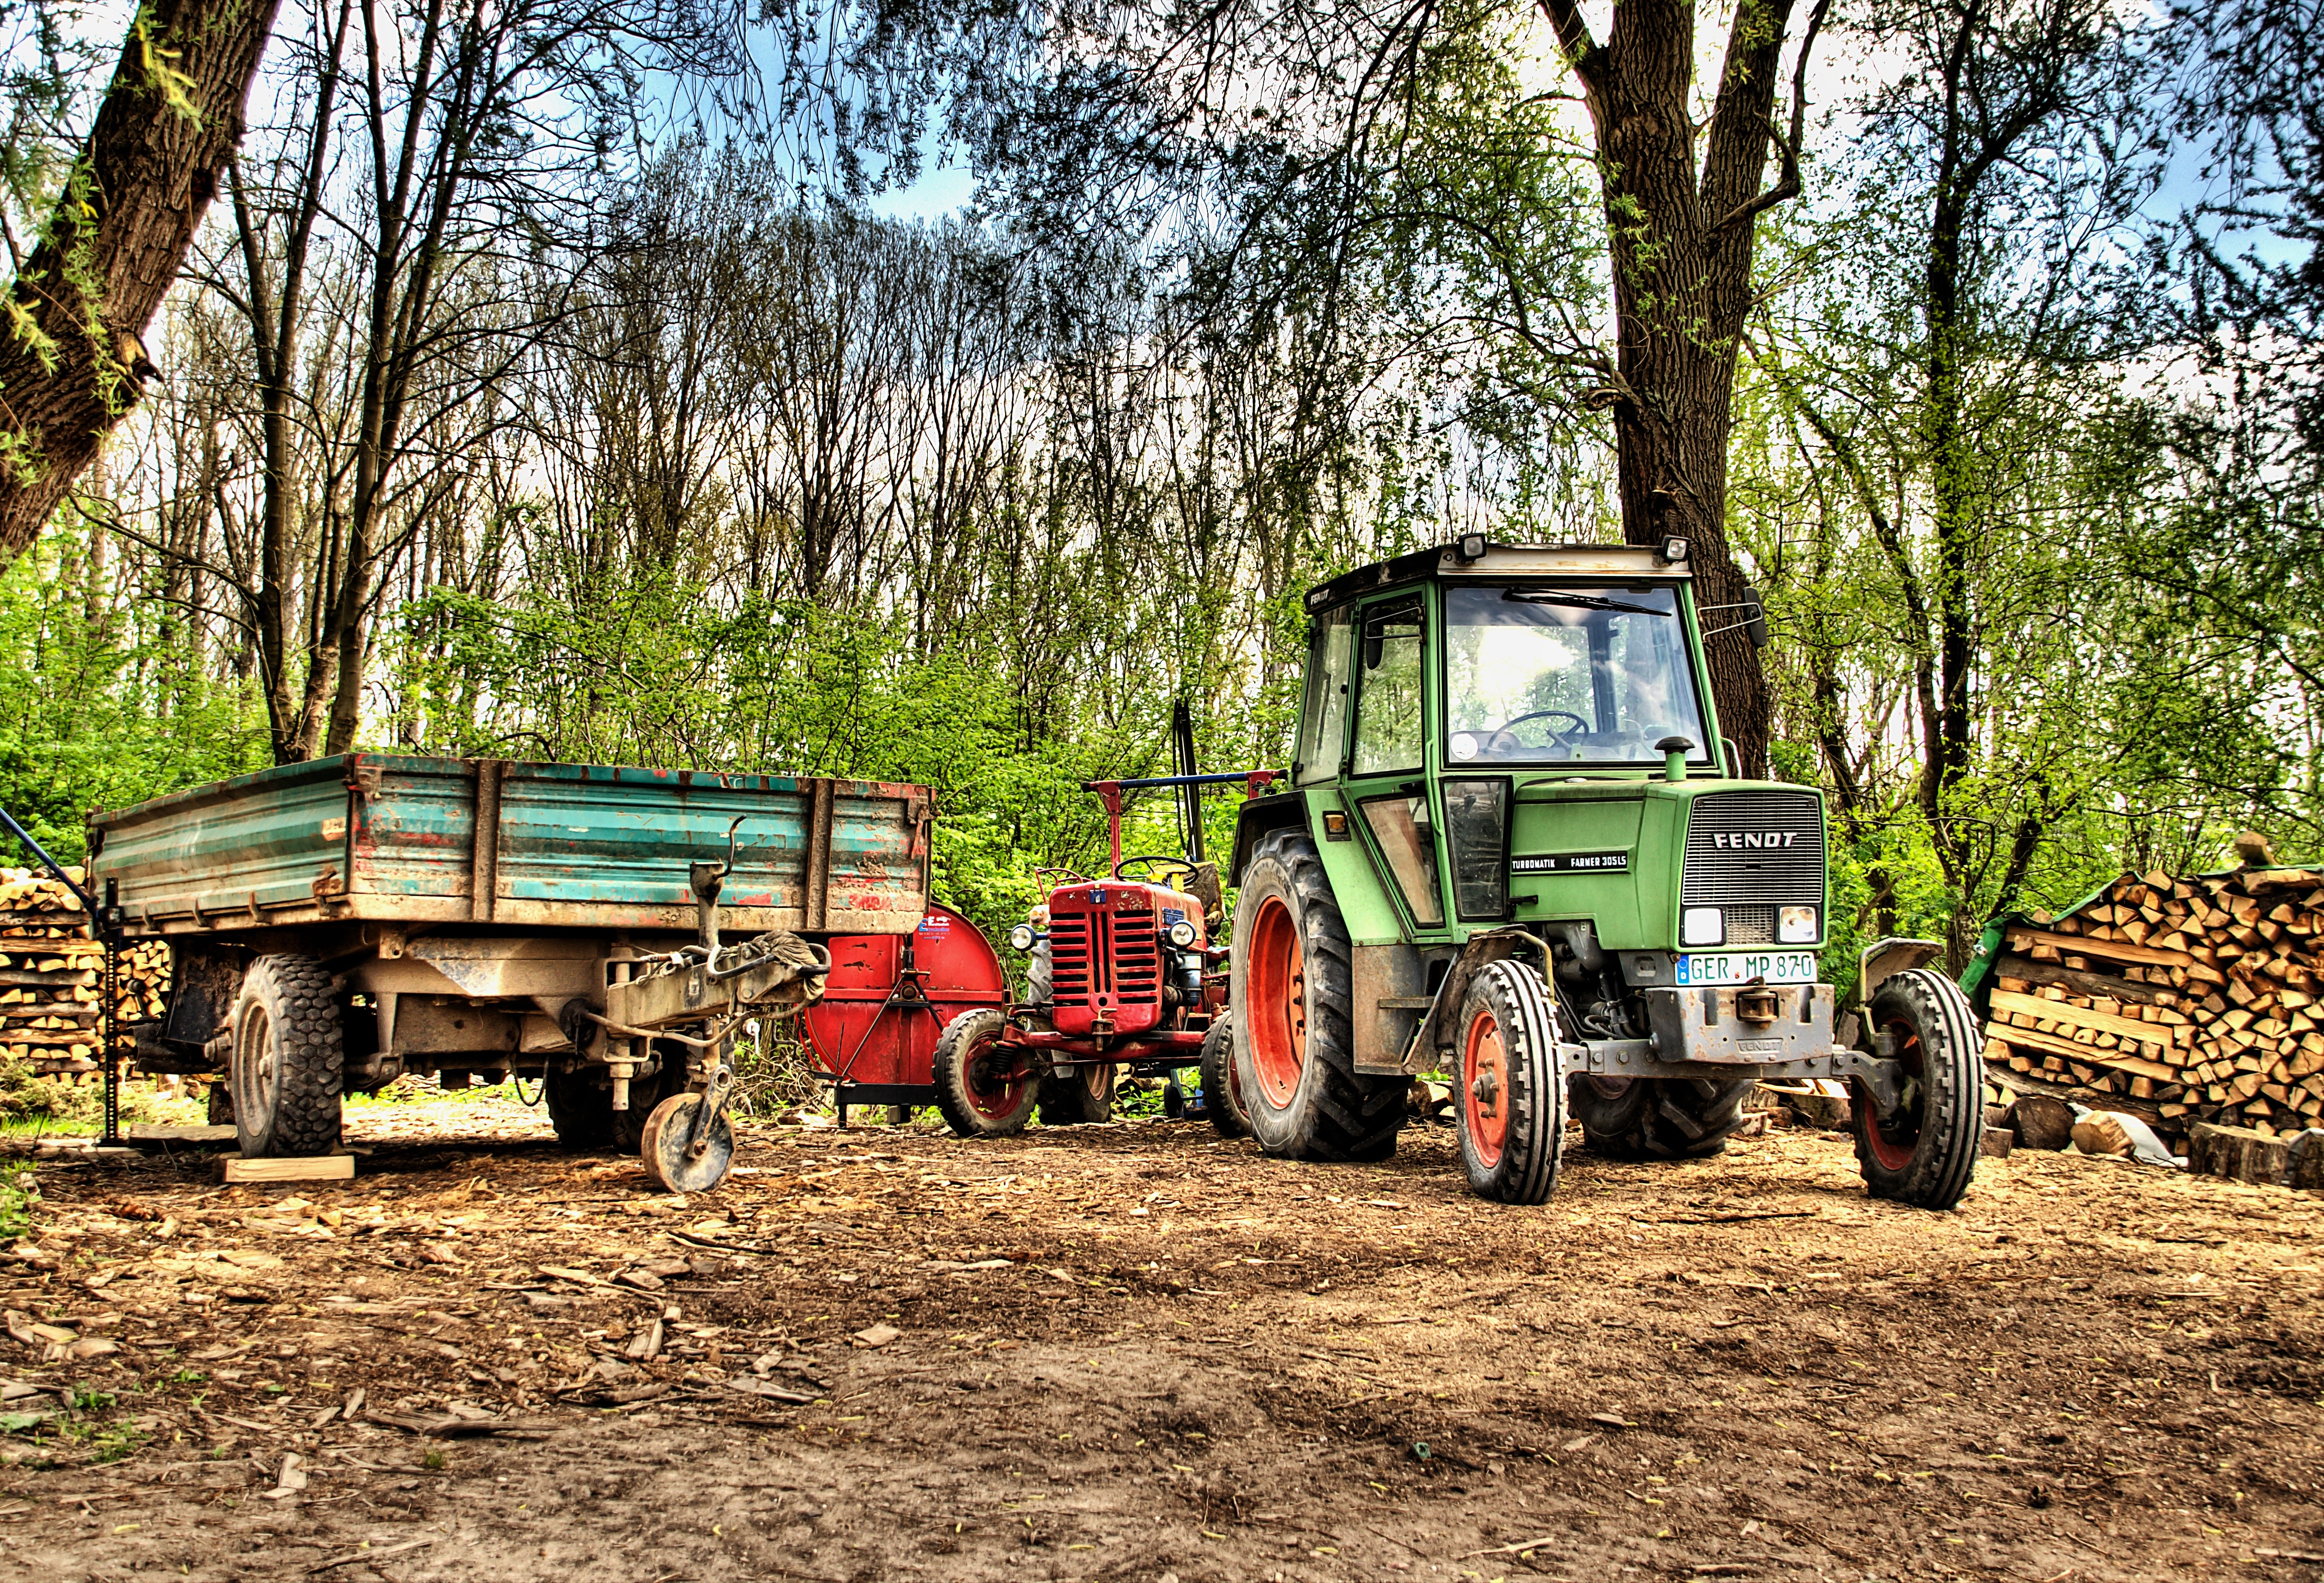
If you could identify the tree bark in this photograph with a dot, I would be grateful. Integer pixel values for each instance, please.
(73, 362)
(1681, 244)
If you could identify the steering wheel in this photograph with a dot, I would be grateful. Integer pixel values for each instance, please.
(1155, 870)
(1503, 737)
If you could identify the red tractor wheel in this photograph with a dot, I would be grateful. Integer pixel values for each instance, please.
(1083, 1094)
(1293, 1031)
(1222, 1094)
(982, 1087)
(1277, 1006)
(1512, 1095)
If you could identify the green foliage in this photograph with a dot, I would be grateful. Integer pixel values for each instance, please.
(19, 1192)
(31, 1104)
(102, 706)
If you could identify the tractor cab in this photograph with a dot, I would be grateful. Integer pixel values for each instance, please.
(1515, 849)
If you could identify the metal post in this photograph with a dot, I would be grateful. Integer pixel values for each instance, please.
(110, 1041)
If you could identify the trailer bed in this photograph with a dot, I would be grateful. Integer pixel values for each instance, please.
(399, 840)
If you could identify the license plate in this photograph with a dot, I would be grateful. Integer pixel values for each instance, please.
(1740, 967)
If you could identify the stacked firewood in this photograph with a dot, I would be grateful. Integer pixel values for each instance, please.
(52, 978)
(2195, 999)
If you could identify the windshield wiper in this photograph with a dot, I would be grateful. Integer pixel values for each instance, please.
(1579, 602)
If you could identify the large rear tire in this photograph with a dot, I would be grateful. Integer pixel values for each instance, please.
(1085, 1094)
(1294, 1034)
(1221, 1092)
(1512, 1099)
(1926, 1154)
(1657, 1117)
(289, 1058)
(977, 1099)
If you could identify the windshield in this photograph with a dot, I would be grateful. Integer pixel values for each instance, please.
(1541, 674)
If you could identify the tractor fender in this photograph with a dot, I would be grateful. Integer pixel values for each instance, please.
(1436, 1029)
(1259, 817)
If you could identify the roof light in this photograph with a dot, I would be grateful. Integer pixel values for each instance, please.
(1674, 551)
(1470, 548)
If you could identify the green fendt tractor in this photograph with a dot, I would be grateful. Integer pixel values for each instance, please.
(1516, 849)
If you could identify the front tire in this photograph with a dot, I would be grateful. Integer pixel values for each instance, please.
(1656, 1117)
(974, 1092)
(289, 1059)
(1294, 1034)
(1222, 1090)
(1926, 1154)
(1512, 1098)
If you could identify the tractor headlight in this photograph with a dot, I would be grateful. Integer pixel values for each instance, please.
(1021, 938)
(1796, 925)
(1702, 926)
(1181, 933)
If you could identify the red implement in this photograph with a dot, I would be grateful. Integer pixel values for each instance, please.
(873, 1033)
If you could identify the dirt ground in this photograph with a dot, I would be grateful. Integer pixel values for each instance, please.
(1135, 1351)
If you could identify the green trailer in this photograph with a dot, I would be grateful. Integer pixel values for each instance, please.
(604, 931)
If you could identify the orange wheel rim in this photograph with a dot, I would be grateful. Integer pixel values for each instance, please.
(1278, 1009)
(1485, 1088)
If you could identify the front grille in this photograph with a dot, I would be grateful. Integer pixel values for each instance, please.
(1757, 850)
(1069, 960)
(1105, 953)
(1750, 926)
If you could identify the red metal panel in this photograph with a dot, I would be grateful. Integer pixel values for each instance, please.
(865, 1031)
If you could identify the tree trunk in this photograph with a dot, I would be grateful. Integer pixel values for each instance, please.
(1682, 244)
(128, 213)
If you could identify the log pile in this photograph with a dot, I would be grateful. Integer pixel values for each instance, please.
(2198, 999)
(52, 978)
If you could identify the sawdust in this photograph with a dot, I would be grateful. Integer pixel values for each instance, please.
(1133, 1350)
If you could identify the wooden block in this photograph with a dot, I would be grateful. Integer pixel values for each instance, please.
(2040, 1122)
(308, 1168)
(2112, 949)
(154, 1132)
(1997, 1141)
(2054, 1047)
(2239, 1154)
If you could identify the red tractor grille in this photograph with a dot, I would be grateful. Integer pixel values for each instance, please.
(1102, 963)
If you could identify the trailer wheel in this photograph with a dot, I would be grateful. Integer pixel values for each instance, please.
(287, 1058)
(582, 1112)
(1654, 1118)
(1512, 1095)
(1294, 1032)
(662, 1146)
(626, 1129)
(1222, 1098)
(581, 1105)
(1926, 1154)
(975, 1092)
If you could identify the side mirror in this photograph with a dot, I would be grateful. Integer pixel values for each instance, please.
(1372, 647)
(1754, 617)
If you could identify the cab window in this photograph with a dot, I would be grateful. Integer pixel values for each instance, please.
(1387, 688)
(1325, 740)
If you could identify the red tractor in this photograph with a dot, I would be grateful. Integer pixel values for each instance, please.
(1124, 975)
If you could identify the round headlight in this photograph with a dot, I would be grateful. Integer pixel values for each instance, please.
(1021, 938)
(1181, 933)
